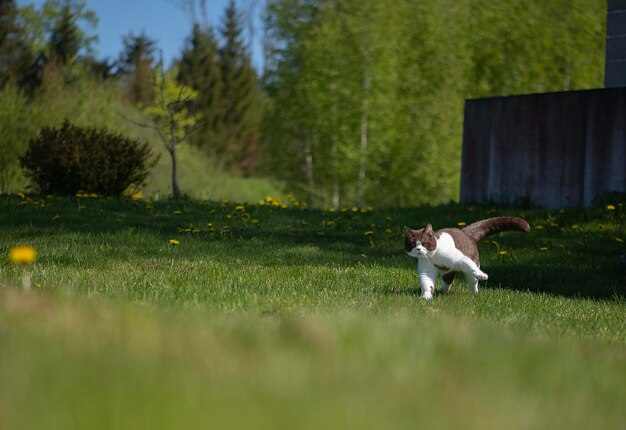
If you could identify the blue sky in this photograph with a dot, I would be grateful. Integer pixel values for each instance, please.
(159, 19)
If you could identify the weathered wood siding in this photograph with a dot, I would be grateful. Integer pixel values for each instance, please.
(615, 65)
(552, 150)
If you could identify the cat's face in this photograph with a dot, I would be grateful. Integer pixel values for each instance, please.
(419, 243)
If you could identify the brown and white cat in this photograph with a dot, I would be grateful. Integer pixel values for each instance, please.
(450, 250)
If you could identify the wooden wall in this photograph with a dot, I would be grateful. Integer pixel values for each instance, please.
(553, 150)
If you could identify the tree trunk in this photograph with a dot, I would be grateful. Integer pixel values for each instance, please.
(308, 171)
(335, 185)
(367, 81)
(172, 150)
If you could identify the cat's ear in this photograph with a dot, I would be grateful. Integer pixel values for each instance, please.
(408, 232)
(428, 229)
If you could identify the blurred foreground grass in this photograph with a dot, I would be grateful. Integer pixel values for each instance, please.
(272, 317)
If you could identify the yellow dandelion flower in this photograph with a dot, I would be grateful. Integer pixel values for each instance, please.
(553, 224)
(543, 248)
(174, 242)
(388, 231)
(240, 208)
(262, 202)
(269, 199)
(21, 195)
(229, 216)
(178, 213)
(461, 223)
(619, 239)
(355, 209)
(343, 210)
(575, 227)
(95, 196)
(503, 252)
(225, 229)
(539, 227)
(22, 254)
(363, 210)
(330, 222)
(283, 206)
(610, 207)
(368, 233)
(331, 209)
(255, 221)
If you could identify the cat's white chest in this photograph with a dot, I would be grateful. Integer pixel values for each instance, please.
(446, 254)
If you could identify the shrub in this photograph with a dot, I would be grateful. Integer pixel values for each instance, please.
(70, 159)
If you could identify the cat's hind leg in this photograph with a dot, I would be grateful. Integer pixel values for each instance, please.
(469, 267)
(446, 281)
(472, 282)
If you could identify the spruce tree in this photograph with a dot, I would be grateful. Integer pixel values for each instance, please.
(199, 69)
(136, 62)
(240, 106)
(65, 40)
(17, 62)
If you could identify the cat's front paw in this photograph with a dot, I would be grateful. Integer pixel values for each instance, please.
(480, 275)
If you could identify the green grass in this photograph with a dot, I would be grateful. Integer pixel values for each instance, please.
(297, 319)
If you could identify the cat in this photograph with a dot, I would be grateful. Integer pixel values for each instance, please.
(450, 250)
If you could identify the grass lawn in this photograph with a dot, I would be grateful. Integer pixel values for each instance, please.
(271, 317)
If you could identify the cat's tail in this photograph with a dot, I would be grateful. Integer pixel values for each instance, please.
(487, 227)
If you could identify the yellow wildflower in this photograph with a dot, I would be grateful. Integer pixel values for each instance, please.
(575, 227)
(543, 248)
(619, 239)
(355, 209)
(538, 227)
(461, 224)
(174, 242)
(262, 202)
(21, 194)
(178, 213)
(610, 207)
(368, 233)
(22, 254)
(255, 221)
(503, 252)
(240, 208)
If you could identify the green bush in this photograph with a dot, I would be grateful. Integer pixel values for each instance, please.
(70, 159)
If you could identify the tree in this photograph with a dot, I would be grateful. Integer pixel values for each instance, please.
(199, 69)
(136, 62)
(170, 116)
(16, 58)
(240, 107)
(64, 42)
(15, 130)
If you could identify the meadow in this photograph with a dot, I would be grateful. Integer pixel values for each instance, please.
(191, 314)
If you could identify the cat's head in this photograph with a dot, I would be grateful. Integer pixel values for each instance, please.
(418, 243)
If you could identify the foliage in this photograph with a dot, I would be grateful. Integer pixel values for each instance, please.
(136, 62)
(240, 100)
(15, 129)
(366, 112)
(70, 159)
(170, 116)
(199, 69)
